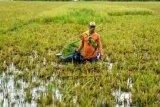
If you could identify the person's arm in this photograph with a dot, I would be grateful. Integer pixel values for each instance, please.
(82, 45)
(100, 46)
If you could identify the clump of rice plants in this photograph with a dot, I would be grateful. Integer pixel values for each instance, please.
(130, 11)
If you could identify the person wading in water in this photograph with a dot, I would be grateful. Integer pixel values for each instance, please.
(91, 43)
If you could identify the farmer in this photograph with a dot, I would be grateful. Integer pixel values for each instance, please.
(91, 43)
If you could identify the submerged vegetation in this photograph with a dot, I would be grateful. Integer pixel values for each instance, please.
(31, 33)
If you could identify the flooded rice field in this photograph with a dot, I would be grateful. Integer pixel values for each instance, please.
(32, 33)
(17, 92)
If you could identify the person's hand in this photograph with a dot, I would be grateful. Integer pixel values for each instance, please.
(76, 50)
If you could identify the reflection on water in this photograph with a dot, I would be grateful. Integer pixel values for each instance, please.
(12, 91)
(110, 66)
(123, 99)
(10, 95)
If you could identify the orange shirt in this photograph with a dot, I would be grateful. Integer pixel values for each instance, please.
(89, 50)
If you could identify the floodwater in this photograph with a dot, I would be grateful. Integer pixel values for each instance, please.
(123, 99)
(13, 94)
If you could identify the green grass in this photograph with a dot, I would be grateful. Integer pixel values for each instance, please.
(130, 35)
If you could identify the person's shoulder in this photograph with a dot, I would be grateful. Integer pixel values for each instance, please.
(85, 34)
(96, 34)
